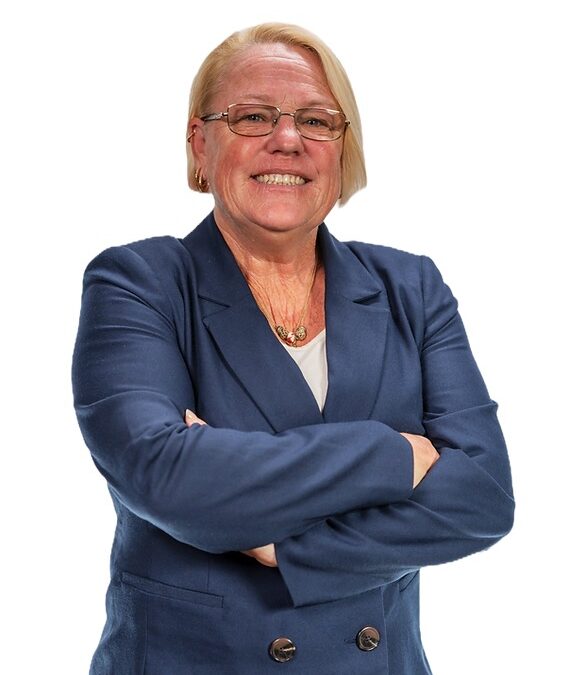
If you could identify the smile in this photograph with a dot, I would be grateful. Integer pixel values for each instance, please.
(280, 179)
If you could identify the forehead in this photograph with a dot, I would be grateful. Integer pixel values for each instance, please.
(275, 73)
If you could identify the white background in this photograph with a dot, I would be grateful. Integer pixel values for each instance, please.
(466, 117)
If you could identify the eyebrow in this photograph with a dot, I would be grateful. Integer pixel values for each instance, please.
(313, 103)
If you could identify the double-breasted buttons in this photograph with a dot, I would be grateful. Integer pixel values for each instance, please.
(368, 638)
(282, 650)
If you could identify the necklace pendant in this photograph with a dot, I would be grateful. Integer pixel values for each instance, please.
(301, 333)
(282, 332)
(291, 337)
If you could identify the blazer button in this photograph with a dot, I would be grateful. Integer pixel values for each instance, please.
(368, 638)
(282, 650)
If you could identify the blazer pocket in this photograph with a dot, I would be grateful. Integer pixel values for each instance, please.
(172, 592)
(406, 580)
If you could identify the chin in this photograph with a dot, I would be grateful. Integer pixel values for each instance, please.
(288, 215)
(287, 221)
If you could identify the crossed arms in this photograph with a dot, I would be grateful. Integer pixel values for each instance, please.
(338, 500)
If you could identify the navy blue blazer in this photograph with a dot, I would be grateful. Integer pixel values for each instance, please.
(168, 324)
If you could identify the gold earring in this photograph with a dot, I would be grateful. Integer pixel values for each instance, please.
(189, 139)
(201, 182)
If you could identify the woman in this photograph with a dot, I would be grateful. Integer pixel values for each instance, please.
(290, 426)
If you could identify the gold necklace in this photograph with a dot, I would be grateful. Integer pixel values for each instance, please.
(298, 334)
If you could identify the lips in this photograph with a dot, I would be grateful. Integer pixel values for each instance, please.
(280, 179)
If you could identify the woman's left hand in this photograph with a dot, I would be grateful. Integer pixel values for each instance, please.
(264, 555)
(191, 418)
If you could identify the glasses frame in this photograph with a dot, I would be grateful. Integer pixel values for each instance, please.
(214, 117)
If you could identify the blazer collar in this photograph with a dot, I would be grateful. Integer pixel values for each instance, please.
(356, 319)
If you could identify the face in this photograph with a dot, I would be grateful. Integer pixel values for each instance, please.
(288, 78)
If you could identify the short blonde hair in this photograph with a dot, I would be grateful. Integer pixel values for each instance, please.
(209, 80)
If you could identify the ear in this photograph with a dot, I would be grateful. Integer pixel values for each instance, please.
(196, 141)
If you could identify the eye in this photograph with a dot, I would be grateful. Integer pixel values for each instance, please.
(252, 116)
(316, 120)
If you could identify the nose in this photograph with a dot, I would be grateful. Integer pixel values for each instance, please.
(285, 136)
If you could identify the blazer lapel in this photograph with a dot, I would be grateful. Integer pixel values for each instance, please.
(243, 336)
(357, 316)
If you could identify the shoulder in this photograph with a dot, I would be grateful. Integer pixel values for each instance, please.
(162, 259)
(154, 270)
(154, 252)
(413, 283)
(401, 271)
(392, 261)
(167, 257)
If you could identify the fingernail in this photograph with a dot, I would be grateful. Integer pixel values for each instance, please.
(189, 413)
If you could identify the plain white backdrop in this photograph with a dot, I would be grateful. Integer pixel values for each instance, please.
(466, 116)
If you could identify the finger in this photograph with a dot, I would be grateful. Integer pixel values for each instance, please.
(265, 555)
(190, 418)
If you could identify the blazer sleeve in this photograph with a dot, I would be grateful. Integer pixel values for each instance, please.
(216, 489)
(463, 505)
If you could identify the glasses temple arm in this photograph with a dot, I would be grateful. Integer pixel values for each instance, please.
(213, 116)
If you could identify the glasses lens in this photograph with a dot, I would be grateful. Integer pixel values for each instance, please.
(319, 124)
(251, 120)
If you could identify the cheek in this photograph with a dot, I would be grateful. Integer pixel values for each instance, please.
(230, 163)
(227, 171)
(330, 169)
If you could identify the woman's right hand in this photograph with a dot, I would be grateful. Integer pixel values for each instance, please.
(425, 455)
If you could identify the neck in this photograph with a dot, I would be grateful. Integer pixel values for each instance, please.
(266, 253)
(283, 275)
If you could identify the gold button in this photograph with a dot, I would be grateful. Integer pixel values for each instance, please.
(368, 638)
(282, 650)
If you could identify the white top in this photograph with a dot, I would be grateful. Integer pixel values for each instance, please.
(312, 361)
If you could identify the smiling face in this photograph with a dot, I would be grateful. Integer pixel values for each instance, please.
(281, 182)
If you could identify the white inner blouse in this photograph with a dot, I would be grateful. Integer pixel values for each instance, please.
(312, 361)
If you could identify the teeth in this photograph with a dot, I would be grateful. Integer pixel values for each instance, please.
(280, 179)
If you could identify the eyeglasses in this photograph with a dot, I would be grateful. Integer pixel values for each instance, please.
(253, 119)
